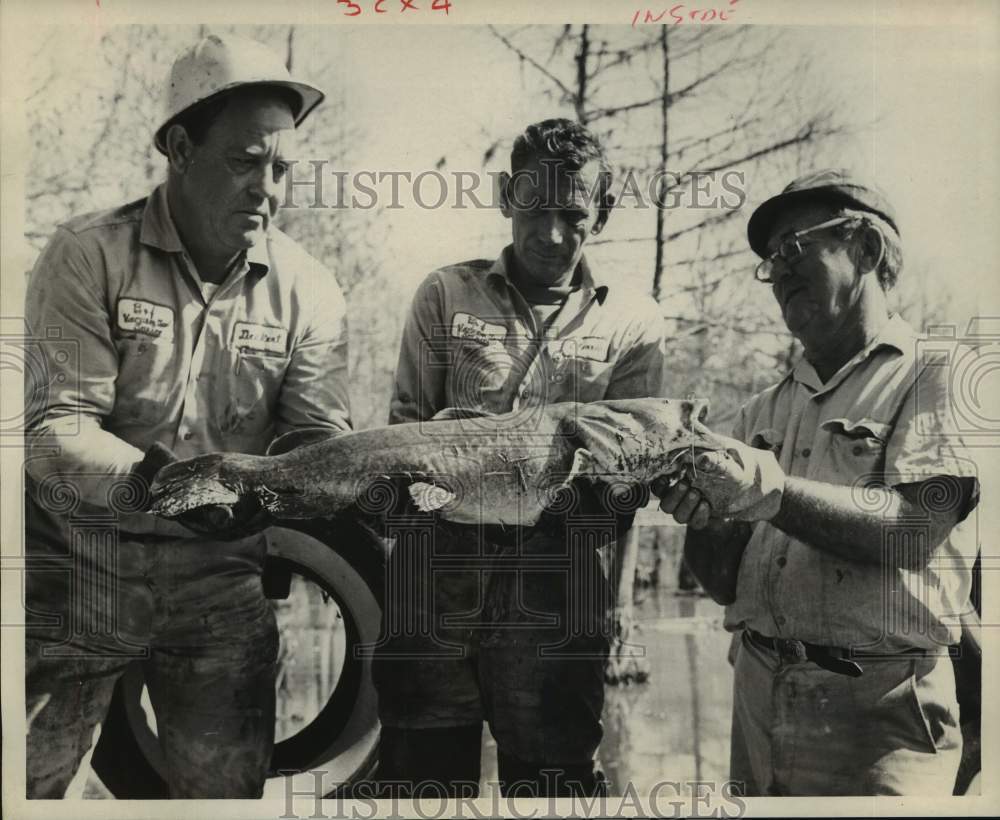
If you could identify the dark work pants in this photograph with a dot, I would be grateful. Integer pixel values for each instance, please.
(194, 614)
(519, 637)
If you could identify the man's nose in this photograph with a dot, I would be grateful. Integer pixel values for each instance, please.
(553, 230)
(780, 269)
(266, 184)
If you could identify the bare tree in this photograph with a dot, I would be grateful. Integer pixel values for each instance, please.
(678, 108)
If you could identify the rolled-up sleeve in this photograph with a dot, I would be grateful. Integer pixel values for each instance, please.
(315, 389)
(70, 373)
(929, 439)
(639, 372)
(419, 387)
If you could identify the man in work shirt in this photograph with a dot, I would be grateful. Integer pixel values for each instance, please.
(838, 531)
(198, 327)
(535, 326)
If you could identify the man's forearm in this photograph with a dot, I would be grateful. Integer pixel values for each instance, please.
(856, 524)
(713, 554)
(89, 458)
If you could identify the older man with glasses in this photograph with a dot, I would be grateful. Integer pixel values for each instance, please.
(836, 528)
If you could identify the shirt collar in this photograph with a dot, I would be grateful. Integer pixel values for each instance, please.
(159, 231)
(896, 333)
(588, 281)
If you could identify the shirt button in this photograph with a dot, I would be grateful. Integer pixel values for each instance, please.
(779, 620)
(188, 436)
(781, 561)
(806, 453)
(858, 450)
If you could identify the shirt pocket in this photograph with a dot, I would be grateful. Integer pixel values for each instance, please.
(770, 439)
(579, 378)
(857, 449)
(146, 380)
(254, 384)
(481, 375)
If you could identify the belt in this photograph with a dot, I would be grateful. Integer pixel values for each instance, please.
(830, 658)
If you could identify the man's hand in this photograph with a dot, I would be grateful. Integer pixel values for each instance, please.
(217, 520)
(155, 459)
(685, 503)
(739, 482)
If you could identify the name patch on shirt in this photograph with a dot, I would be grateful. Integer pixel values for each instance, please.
(467, 326)
(147, 318)
(260, 338)
(593, 348)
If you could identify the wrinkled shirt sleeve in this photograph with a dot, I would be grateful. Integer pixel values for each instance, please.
(314, 392)
(639, 373)
(70, 374)
(927, 440)
(419, 388)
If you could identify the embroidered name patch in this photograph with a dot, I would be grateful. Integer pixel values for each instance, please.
(467, 326)
(260, 338)
(593, 348)
(147, 318)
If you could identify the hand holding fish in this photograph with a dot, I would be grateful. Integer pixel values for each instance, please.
(736, 482)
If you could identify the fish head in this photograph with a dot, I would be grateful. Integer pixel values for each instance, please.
(677, 417)
(637, 440)
(203, 481)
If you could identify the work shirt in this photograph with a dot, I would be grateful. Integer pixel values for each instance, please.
(885, 418)
(135, 350)
(472, 341)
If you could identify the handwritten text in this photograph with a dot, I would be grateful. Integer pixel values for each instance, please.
(682, 13)
(354, 9)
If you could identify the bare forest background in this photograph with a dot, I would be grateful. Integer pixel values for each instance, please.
(689, 101)
(764, 103)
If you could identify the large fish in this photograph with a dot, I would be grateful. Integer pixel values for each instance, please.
(498, 469)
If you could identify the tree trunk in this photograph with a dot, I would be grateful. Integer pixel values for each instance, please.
(662, 168)
(582, 55)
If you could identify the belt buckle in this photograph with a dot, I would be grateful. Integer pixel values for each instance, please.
(791, 651)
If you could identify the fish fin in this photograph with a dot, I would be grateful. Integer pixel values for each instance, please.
(430, 497)
(459, 413)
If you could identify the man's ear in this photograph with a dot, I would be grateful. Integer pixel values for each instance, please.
(504, 182)
(871, 248)
(603, 213)
(180, 148)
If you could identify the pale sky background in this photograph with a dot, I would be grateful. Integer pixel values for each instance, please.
(922, 98)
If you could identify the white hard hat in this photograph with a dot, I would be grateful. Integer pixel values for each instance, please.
(217, 64)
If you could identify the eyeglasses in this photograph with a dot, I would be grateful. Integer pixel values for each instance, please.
(792, 248)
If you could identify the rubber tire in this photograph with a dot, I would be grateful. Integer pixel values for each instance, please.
(339, 747)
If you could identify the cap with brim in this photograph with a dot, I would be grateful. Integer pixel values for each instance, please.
(216, 66)
(833, 186)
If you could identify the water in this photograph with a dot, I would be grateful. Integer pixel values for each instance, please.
(675, 726)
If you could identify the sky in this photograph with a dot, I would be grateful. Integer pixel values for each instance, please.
(922, 101)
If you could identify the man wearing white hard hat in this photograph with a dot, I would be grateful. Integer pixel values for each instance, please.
(193, 326)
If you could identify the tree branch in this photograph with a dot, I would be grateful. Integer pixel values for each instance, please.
(533, 63)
